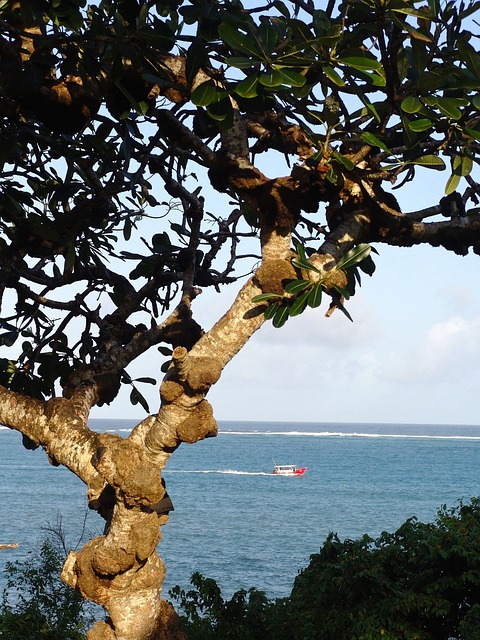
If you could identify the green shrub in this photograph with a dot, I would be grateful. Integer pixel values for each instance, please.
(421, 582)
(36, 605)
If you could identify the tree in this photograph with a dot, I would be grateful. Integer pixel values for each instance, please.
(114, 118)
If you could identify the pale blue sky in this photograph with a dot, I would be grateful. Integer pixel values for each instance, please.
(411, 355)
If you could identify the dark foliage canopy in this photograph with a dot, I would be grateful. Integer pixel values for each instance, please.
(115, 116)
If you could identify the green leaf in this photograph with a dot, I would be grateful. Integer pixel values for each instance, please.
(281, 316)
(268, 34)
(295, 286)
(473, 134)
(347, 163)
(196, 58)
(247, 88)
(300, 249)
(146, 380)
(205, 94)
(239, 62)
(271, 79)
(315, 296)
(361, 63)
(221, 110)
(292, 78)
(429, 161)
(334, 76)
(354, 256)
(415, 33)
(237, 40)
(343, 292)
(304, 264)
(412, 104)
(422, 124)
(265, 296)
(452, 183)
(462, 165)
(270, 311)
(470, 56)
(298, 305)
(373, 141)
(450, 107)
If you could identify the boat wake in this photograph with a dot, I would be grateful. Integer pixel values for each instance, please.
(233, 472)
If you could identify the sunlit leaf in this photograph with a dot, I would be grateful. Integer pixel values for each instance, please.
(354, 256)
(295, 286)
(450, 107)
(452, 183)
(333, 76)
(248, 88)
(304, 264)
(361, 63)
(271, 79)
(430, 161)
(412, 104)
(422, 124)
(462, 165)
(415, 33)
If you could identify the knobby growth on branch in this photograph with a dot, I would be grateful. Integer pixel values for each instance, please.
(134, 140)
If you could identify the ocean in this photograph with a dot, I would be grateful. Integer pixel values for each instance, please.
(236, 522)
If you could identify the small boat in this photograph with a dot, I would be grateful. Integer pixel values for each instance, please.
(288, 470)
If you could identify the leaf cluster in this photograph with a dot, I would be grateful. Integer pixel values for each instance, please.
(301, 293)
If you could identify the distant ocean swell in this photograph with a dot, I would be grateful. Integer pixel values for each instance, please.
(340, 434)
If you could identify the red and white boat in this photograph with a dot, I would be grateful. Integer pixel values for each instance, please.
(288, 470)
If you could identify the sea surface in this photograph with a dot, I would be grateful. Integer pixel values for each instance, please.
(236, 522)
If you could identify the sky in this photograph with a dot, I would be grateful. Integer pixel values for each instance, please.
(411, 355)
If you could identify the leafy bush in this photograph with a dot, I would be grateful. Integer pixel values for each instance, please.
(248, 615)
(421, 582)
(36, 605)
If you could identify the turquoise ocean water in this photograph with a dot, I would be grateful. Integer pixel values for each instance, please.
(236, 522)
